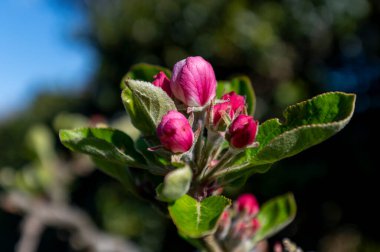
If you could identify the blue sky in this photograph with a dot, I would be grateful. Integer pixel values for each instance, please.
(36, 52)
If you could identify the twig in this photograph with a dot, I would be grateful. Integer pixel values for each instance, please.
(32, 229)
(40, 214)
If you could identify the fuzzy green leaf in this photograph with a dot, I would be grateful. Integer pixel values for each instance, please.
(146, 104)
(119, 172)
(242, 86)
(197, 218)
(239, 179)
(107, 144)
(306, 124)
(144, 72)
(156, 163)
(274, 215)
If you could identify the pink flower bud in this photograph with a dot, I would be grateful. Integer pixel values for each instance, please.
(252, 227)
(242, 131)
(240, 228)
(174, 132)
(255, 225)
(162, 81)
(247, 203)
(278, 247)
(219, 110)
(237, 101)
(224, 225)
(234, 103)
(193, 81)
(225, 217)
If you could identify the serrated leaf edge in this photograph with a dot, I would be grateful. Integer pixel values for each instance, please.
(125, 156)
(292, 217)
(344, 122)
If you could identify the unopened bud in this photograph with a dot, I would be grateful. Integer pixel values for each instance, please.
(255, 225)
(175, 133)
(247, 203)
(193, 81)
(233, 104)
(242, 131)
(162, 81)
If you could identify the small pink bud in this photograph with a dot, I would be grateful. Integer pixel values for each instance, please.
(162, 81)
(225, 216)
(277, 247)
(213, 163)
(242, 230)
(224, 224)
(240, 227)
(219, 110)
(174, 132)
(247, 203)
(255, 225)
(193, 81)
(242, 131)
(234, 103)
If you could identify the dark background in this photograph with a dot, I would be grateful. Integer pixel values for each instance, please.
(291, 50)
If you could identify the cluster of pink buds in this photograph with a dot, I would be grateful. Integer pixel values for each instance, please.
(238, 225)
(233, 104)
(201, 124)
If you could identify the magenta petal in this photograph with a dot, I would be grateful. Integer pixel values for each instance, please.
(175, 133)
(193, 81)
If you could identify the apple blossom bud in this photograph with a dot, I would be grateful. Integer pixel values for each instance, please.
(278, 247)
(242, 131)
(193, 81)
(224, 225)
(234, 103)
(247, 203)
(240, 228)
(225, 218)
(175, 133)
(255, 225)
(237, 101)
(162, 81)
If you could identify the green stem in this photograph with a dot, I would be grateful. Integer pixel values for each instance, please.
(214, 141)
(211, 244)
(227, 156)
(199, 121)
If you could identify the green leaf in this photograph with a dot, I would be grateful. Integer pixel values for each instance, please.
(118, 171)
(242, 86)
(237, 180)
(197, 218)
(111, 145)
(306, 124)
(156, 163)
(274, 215)
(146, 104)
(144, 72)
(175, 185)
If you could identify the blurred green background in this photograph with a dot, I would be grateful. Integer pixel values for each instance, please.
(291, 50)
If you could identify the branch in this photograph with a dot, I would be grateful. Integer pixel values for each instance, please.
(32, 229)
(40, 214)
